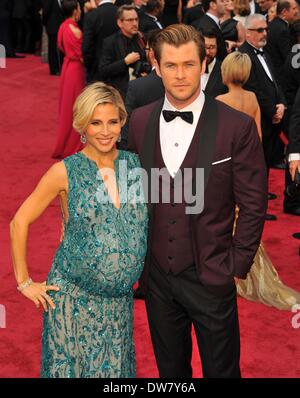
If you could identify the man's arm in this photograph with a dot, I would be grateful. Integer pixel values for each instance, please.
(250, 191)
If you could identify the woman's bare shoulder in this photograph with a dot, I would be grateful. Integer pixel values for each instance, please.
(77, 32)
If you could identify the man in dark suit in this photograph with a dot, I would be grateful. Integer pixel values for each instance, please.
(293, 152)
(142, 91)
(211, 80)
(291, 84)
(263, 83)
(52, 18)
(6, 8)
(123, 52)
(192, 257)
(279, 42)
(210, 21)
(149, 18)
(98, 24)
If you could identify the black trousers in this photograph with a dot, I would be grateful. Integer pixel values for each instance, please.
(174, 303)
(55, 57)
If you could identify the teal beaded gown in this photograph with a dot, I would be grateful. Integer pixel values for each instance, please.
(89, 334)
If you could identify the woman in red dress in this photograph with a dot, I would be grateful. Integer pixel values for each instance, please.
(71, 80)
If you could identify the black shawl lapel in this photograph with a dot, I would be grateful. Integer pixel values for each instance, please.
(207, 124)
(148, 149)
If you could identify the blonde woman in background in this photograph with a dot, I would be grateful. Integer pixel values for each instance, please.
(262, 283)
(241, 10)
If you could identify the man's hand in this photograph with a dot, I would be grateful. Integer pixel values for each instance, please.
(279, 111)
(293, 166)
(131, 58)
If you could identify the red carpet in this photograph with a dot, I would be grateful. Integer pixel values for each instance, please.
(28, 109)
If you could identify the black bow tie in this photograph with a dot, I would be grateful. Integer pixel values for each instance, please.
(171, 115)
(259, 52)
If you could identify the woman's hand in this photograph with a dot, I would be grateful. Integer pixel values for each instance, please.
(37, 292)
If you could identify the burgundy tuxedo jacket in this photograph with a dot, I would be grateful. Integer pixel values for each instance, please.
(234, 174)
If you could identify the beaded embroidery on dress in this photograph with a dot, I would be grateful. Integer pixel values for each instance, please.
(89, 333)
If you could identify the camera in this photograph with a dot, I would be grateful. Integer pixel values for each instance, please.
(141, 67)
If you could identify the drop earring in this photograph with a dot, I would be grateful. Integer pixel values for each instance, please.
(119, 138)
(83, 138)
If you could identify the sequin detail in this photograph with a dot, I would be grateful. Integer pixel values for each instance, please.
(89, 334)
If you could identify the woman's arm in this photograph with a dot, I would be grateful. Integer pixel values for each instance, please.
(241, 34)
(257, 119)
(49, 187)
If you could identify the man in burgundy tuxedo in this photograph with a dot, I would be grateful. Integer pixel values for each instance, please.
(193, 259)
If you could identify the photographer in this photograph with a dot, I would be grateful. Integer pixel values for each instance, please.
(124, 57)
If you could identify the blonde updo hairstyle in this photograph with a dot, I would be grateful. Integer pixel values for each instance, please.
(93, 95)
(236, 68)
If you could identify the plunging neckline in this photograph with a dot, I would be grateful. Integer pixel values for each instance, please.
(116, 175)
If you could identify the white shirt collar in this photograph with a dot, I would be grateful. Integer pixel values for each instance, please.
(105, 1)
(256, 48)
(151, 16)
(216, 19)
(195, 106)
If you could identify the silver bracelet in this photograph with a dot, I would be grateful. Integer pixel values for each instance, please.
(25, 284)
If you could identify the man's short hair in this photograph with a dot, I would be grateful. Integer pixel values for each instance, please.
(282, 5)
(177, 35)
(206, 4)
(125, 7)
(210, 34)
(152, 5)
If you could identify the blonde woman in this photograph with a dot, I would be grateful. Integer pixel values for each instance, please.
(262, 283)
(88, 296)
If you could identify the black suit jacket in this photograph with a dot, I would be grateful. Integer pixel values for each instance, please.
(112, 67)
(192, 14)
(231, 154)
(207, 24)
(291, 78)
(141, 91)
(52, 16)
(268, 92)
(294, 126)
(279, 44)
(98, 24)
(146, 23)
(215, 86)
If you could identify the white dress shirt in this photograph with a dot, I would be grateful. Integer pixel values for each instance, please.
(176, 136)
(205, 76)
(263, 62)
(252, 7)
(104, 1)
(159, 25)
(294, 156)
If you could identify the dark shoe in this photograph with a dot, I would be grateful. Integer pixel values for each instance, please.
(271, 196)
(280, 166)
(138, 294)
(296, 235)
(295, 211)
(16, 56)
(270, 217)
